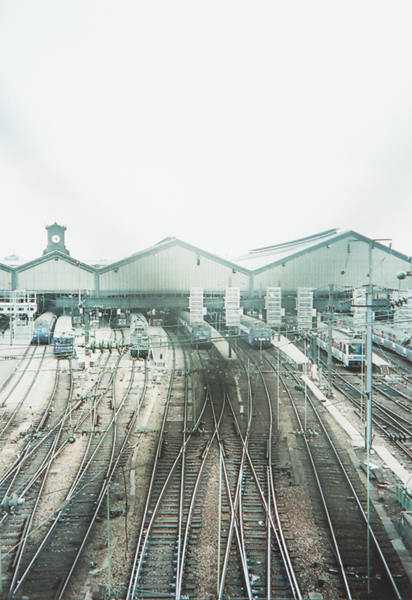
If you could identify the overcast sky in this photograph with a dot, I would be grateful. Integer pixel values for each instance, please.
(228, 124)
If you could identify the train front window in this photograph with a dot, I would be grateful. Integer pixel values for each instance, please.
(356, 349)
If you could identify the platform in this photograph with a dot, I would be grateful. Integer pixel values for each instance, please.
(358, 440)
(291, 352)
(158, 344)
(380, 363)
(221, 345)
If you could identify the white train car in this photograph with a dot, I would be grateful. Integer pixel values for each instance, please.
(139, 337)
(394, 336)
(348, 347)
(63, 337)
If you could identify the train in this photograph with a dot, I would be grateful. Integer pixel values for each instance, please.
(43, 328)
(77, 317)
(348, 346)
(257, 333)
(200, 333)
(395, 337)
(119, 321)
(139, 338)
(63, 337)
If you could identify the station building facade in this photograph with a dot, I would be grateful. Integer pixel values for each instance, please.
(161, 276)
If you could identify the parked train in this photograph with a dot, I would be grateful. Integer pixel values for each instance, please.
(63, 337)
(257, 333)
(396, 337)
(119, 321)
(43, 328)
(139, 337)
(200, 334)
(347, 346)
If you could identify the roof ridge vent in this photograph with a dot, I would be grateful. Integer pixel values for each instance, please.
(297, 242)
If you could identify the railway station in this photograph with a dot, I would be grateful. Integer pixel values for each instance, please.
(179, 425)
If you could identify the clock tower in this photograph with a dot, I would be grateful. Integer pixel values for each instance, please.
(55, 239)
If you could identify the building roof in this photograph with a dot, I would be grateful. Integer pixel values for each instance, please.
(167, 243)
(55, 255)
(261, 258)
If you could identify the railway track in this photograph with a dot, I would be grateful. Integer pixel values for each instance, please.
(342, 507)
(244, 530)
(395, 425)
(170, 514)
(14, 396)
(45, 543)
(268, 570)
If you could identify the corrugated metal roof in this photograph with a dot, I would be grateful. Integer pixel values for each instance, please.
(55, 254)
(260, 259)
(167, 243)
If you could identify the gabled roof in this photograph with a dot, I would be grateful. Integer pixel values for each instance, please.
(54, 255)
(262, 258)
(4, 267)
(170, 242)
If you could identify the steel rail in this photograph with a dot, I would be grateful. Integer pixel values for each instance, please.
(19, 362)
(400, 393)
(346, 476)
(33, 449)
(277, 529)
(145, 530)
(389, 418)
(325, 506)
(182, 484)
(80, 474)
(179, 577)
(20, 403)
(377, 545)
(233, 522)
(109, 474)
(141, 544)
(385, 410)
(24, 454)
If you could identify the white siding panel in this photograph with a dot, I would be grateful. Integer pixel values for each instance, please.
(345, 263)
(175, 269)
(56, 275)
(5, 280)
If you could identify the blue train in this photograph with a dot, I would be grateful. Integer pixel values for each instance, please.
(43, 328)
(200, 334)
(119, 321)
(257, 333)
(139, 338)
(63, 337)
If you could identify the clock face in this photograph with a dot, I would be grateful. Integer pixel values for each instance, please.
(55, 238)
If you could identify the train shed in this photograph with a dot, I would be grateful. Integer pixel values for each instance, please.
(341, 260)
(56, 272)
(161, 276)
(6, 277)
(169, 269)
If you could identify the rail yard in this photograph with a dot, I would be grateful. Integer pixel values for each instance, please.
(174, 426)
(197, 477)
